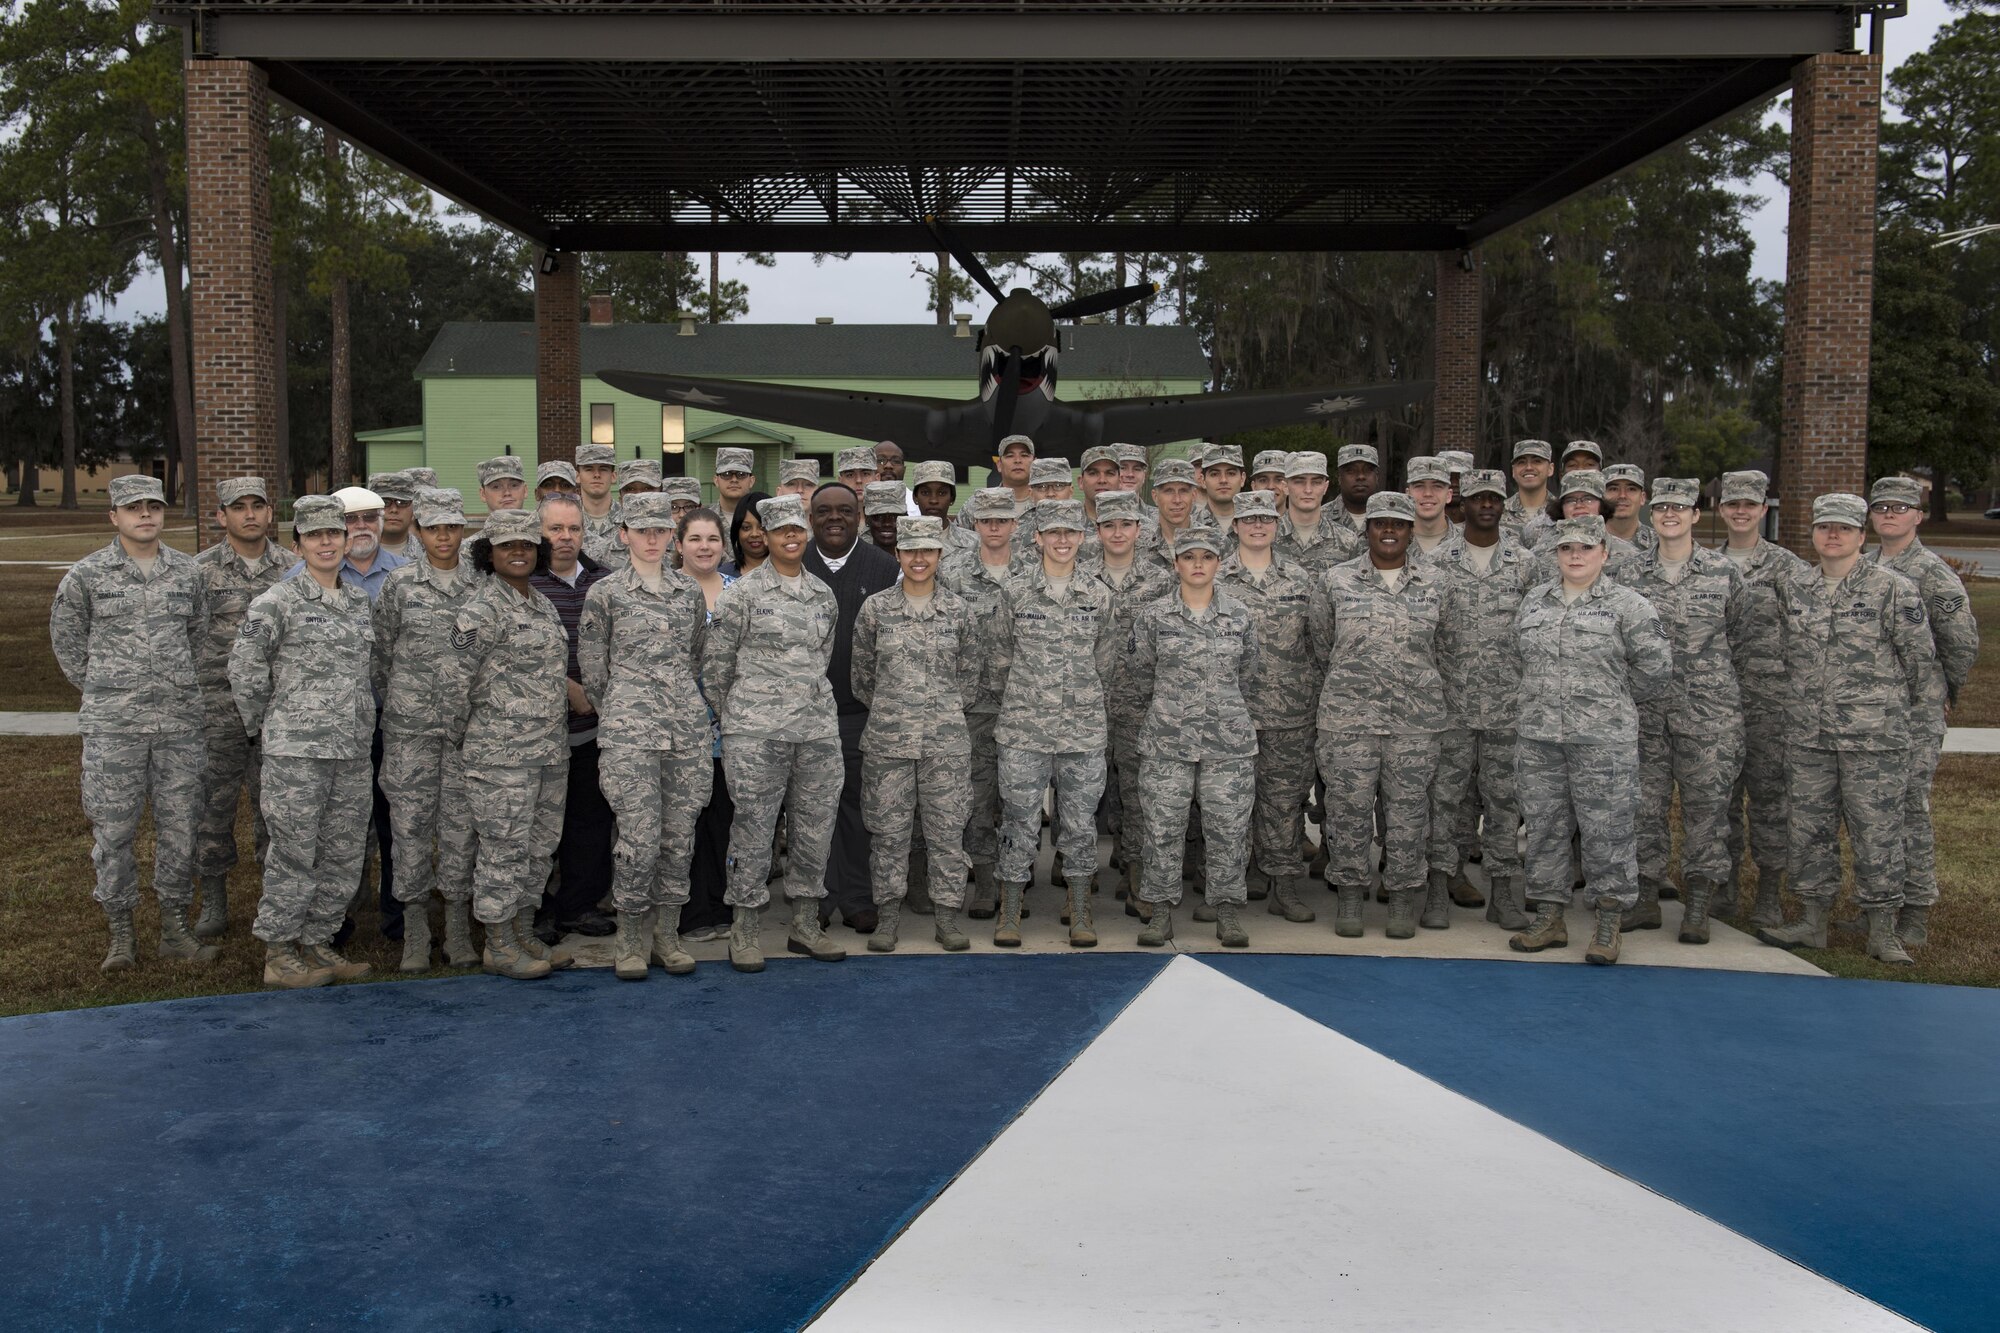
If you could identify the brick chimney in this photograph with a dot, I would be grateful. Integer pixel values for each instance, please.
(600, 308)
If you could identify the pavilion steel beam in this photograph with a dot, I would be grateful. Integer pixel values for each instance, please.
(1043, 37)
(1035, 237)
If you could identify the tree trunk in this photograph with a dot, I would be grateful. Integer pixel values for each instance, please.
(282, 390)
(1940, 501)
(943, 302)
(167, 251)
(171, 480)
(1120, 282)
(340, 418)
(66, 400)
(714, 287)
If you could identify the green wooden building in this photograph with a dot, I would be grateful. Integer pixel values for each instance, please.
(479, 387)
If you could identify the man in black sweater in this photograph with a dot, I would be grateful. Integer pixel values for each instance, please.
(854, 569)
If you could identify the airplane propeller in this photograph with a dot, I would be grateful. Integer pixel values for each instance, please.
(1099, 302)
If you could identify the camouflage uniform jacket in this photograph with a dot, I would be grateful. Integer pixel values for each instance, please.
(1535, 529)
(1514, 518)
(1293, 629)
(1760, 655)
(1479, 657)
(1332, 543)
(1707, 619)
(1586, 666)
(1382, 676)
(131, 642)
(917, 669)
(637, 651)
(1643, 538)
(411, 548)
(1051, 660)
(764, 665)
(232, 583)
(413, 662)
(1194, 668)
(1858, 662)
(1954, 631)
(600, 537)
(510, 692)
(299, 670)
(980, 586)
(1124, 703)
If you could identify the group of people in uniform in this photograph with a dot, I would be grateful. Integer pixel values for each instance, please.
(1530, 678)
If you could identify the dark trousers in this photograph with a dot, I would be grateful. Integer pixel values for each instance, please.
(708, 873)
(391, 920)
(848, 887)
(584, 855)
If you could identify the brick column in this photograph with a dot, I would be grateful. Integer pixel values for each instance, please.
(1829, 286)
(558, 362)
(1455, 367)
(229, 276)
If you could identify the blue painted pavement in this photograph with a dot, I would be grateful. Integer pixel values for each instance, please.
(1853, 1126)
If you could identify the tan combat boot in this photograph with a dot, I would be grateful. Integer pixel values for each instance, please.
(1883, 946)
(1808, 932)
(1645, 915)
(629, 951)
(1548, 930)
(888, 919)
(123, 955)
(1348, 903)
(459, 950)
(1082, 930)
(746, 948)
(176, 942)
(1229, 930)
(1694, 922)
(1286, 900)
(1007, 930)
(527, 941)
(1464, 892)
(284, 967)
(1402, 914)
(416, 938)
(1768, 909)
(326, 956)
(213, 922)
(985, 892)
(1913, 926)
(807, 938)
(1603, 948)
(666, 945)
(1437, 902)
(945, 928)
(1505, 903)
(506, 958)
(1159, 927)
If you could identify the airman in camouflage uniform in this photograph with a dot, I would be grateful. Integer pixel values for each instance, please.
(1589, 656)
(509, 717)
(916, 666)
(1582, 496)
(231, 582)
(1535, 458)
(503, 482)
(1288, 605)
(1053, 652)
(128, 635)
(1193, 665)
(398, 491)
(937, 504)
(882, 503)
(1625, 489)
(764, 672)
(1174, 489)
(422, 776)
(1955, 641)
(642, 633)
(1367, 463)
(798, 476)
(1691, 734)
(300, 676)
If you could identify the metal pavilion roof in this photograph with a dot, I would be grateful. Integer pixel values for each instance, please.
(1149, 124)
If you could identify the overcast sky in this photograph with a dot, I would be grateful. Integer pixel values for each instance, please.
(884, 289)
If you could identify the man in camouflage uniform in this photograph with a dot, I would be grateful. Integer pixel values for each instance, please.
(503, 483)
(1052, 654)
(978, 577)
(916, 665)
(1760, 676)
(798, 476)
(1591, 652)
(934, 487)
(1533, 464)
(596, 472)
(1221, 481)
(1308, 533)
(553, 476)
(1174, 494)
(1690, 735)
(1582, 454)
(1483, 571)
(1625, 506)
(855, 468)
(764, 672)
(1427, 481)
(1895, 507)
(735, 477)
(1288, 606)
(638, 644)
(1267, 473)
(1193, 654)
(1381, 711)
(422, 774)
(1358, 474)
(233, 572)
(399, 494)
(1859, 657)
(300, 676)
(881, 507)
(128, 626)
(1133, 465)
(683, 496)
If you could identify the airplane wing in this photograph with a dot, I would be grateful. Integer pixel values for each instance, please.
(1195, 415)
(863, 415)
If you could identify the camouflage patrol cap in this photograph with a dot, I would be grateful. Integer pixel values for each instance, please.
(1060, 515)
(1590, 447)
(919, 534)
(1587, 480)
(1256, 504)
(861, 458)
(555, 469)
(1456, 460)
(1049, 472)
(638, 472)
(1390, 504)
(1268, 460)
(1008, 442)
(1482, 481)
(882, 497)
(1130, 453)
(504, 468)
(1751, 485)
(423, 476)
(1426, 468)
(735, 460)
(1197, 456)
(1541, 449)
(647, 509)
(798, 469)
(1224, 455)
(1358, 453)
(1173, 472)
(1631, 472)
(135, 487)
(935, 470)
(439, 507)
(1098, 453)
(511, 525)
(682, 490)
(1198, 539)
(1840, 507)
(1305, 463)
(1677, 491)
(992, 502)
(1896, 490)
(1117, 506)
(399, 486)
(782, 511)
(1585, 531)
(595, 455)
(231, 489)
(315, 513)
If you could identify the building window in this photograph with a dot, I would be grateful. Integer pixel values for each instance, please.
(673, 429)
(603, 423)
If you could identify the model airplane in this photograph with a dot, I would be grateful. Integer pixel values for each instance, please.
(1017, 394)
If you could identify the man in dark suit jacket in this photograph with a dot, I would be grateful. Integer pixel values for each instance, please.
(853, 569)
